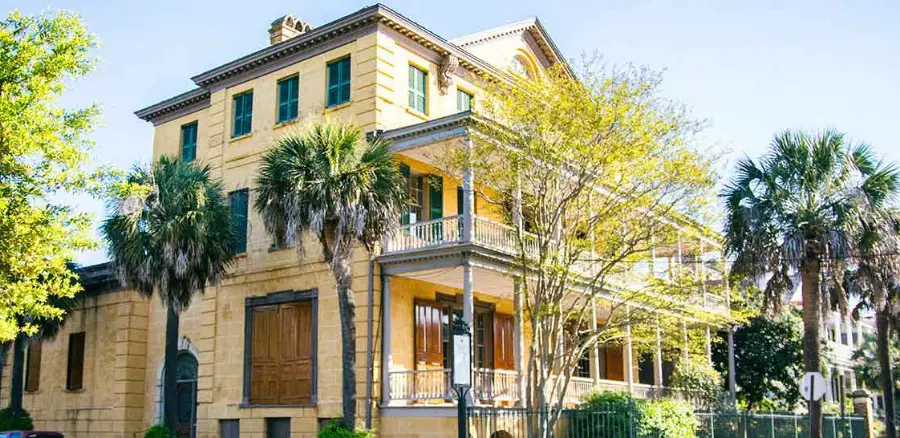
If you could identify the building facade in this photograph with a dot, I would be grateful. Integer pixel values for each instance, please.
(259, 354)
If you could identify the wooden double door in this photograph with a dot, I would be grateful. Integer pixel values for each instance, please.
(492, 335)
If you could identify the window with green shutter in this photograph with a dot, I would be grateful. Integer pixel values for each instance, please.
(242, 112)
(404, 212)
(239, 201)
(189, 142)
(288, 98)
(435, 197)
(338, 82)
(463, 100)
(418, 79)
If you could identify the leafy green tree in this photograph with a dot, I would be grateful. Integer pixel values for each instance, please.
(173, 242)
(768, 361)
(795, 211)
(875, 278)
(868, 367)
(43, 156)
(345, 191)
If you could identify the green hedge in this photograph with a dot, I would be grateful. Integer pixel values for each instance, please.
(336, 430)
(18, 422)
(615, 414)
(158, 431)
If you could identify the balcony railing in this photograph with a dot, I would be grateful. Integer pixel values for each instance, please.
(434, 385)
(500, 237)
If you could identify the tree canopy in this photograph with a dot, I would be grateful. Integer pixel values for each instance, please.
(43, 155)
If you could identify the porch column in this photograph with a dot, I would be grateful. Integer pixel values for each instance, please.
(680, 256)
(595, 350)
(629, 355)
(849, 326)
(468, 196)
(732, 385)
(519, 340)
(657, 359)
(837, 327)
(387, 353)
(686, 347)
(709, 346)
(468, 296)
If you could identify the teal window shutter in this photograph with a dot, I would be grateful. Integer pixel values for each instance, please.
(242, 111)
(404, 213)
(189, 142)
(463, 101)
(460, 199)
(338, 82)
(288, 98)
(239, 201)
(435, 197)
(418, 80)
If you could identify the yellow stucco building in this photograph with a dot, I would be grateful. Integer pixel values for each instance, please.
(387, 74)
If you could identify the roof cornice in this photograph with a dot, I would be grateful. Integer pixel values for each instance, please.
(331, 32)
(197, 97)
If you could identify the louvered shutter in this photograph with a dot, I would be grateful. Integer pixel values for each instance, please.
(264, 348)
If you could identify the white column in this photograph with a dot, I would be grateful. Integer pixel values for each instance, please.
(629, 355)
(468, 296)
(519, 339)
(732, 383)
(657, 359)
(686, 346)
(387, 353)
(709, 346)
(468, 196)
(837, 327)
(595, 350)
(849, 326)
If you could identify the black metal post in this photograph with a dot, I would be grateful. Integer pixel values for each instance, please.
(461, 407)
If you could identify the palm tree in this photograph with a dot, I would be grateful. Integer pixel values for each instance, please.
(795, 211)
(174, 242)
(330, 182)
(48, 328)
(876, 280)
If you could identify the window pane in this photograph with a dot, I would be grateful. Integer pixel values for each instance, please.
(189, 142)
(463, 101)
(417, 93)
(287, 99)
(75, 371)
(239, 206)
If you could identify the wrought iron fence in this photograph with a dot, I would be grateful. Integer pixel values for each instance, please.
(619, 421)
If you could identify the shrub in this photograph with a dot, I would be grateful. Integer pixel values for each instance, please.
(336, 430)
(158, 431)
(700, 383)
(668, 418)
(8, 421)
(605, 414)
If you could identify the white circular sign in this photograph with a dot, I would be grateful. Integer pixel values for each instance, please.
(812, 386)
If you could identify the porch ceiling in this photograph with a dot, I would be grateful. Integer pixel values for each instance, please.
(486, 281)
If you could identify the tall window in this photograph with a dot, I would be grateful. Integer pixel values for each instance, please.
(583, 367)
(463, 100)
(288, 98)
(418, 79)
(338, 82)
(33, 366)
(242, 112)
(281, 350)
(75, 368)
(239, 201)
(189, 142)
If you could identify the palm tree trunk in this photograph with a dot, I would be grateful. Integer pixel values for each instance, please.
(811, 343)
(17, 379)
(340, 267)
(170, 402)
(882, 326)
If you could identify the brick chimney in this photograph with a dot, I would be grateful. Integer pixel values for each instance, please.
(286, 28)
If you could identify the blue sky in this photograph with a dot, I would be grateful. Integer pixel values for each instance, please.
(749, 68)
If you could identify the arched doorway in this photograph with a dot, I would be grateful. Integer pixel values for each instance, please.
(186, 394)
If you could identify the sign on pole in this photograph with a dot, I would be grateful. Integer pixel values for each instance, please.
(462, 362)
(812, 386)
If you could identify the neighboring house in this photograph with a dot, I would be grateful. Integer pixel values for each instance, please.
(260, 353)
(843, 336)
